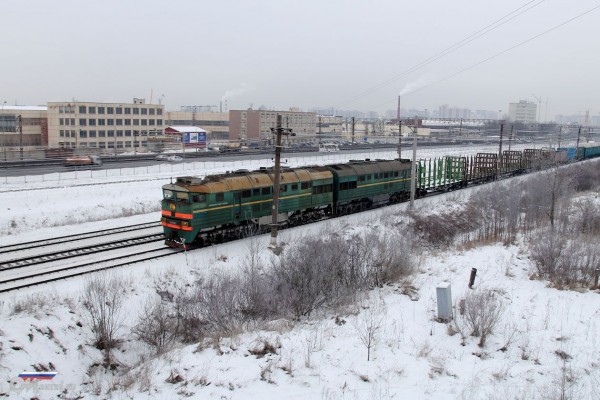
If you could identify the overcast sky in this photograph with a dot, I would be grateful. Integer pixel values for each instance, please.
(347, 54)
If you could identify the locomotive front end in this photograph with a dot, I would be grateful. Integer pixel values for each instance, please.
(178, 216)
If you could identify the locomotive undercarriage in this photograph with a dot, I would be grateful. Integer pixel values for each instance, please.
(252, 227)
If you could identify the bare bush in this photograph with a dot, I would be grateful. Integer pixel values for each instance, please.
(335, 270)
(442, 230)
(103, 298)
(584, 176)
(483, 312)
(157, 325)
(566, 263)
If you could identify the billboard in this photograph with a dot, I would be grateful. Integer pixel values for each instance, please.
(194, 139)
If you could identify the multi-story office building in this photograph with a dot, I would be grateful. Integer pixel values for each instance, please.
(255, 125)
(216, 124)
(80, 124)
(523, 111)
(24, 126)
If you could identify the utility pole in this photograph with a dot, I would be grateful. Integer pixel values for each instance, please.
(352, 130)
(20, 127)
(399, 139)
(577, 145)
(499, 166)
(413, 175)
(279, 131)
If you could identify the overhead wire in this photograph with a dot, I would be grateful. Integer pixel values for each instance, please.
(500, 53)
(481, 32)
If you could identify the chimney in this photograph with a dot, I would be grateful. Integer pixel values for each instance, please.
(398, 112)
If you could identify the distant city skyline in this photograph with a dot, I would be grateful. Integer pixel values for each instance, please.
(349, 54)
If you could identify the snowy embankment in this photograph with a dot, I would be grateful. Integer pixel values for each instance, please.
(544, 345)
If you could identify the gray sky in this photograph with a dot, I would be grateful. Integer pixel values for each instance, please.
(348, 54)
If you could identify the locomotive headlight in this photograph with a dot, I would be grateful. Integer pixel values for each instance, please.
(185, 223)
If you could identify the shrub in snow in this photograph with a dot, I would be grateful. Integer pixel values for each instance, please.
(157, 325)
(482, 312)
(566, 263)
(103, 297)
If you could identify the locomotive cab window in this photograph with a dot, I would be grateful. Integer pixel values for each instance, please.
(266, 191)
(168, 194)
(181, 196)
(246, 194)
(198, 198)
(294, 186)
(304, 185)
(219, 197)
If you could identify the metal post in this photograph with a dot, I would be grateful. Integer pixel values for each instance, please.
(499, 166)
(20, 125)
(399, 139)
(472, 277)
(413, 175)
(275, 206)
(3, 130)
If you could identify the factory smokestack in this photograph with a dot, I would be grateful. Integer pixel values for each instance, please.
(398, 112)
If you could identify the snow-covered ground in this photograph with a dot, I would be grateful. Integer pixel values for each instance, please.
(545, 346)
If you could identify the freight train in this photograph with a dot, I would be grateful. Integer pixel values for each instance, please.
(202, 211)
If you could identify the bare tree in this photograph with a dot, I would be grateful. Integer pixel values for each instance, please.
(368, 323)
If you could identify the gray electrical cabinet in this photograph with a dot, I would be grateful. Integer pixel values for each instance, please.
(444, 301)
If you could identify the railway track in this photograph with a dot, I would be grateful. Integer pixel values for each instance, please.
(126, 246)
(30, 278)
(76, 237)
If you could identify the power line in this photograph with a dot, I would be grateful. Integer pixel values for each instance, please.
(501, 52)
(496, 24)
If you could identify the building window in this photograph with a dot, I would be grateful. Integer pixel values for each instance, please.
(144, 122)
(100, 110)
(120, 133)
(136, 111)
(110, 122)
(127, 133)
(127, 144)
(101, 122)
(92, 110)
(159, 122)
(111, 134)
(83, 134)
(136, 122)
(151, 122)
(144, 111)
(119, 121)
(61, 133)
(61, 121)
(110, 110)
(92, 122)
(92, 144)
(92, 134)
(127, 121)
(82, 109)
(151, 111)
(101, 134)
(159, 111)
(119, 110)
(102, 145)
(127, 110)
(119, 145)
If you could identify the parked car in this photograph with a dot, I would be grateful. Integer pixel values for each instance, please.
(161, 157)
(174, 159)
